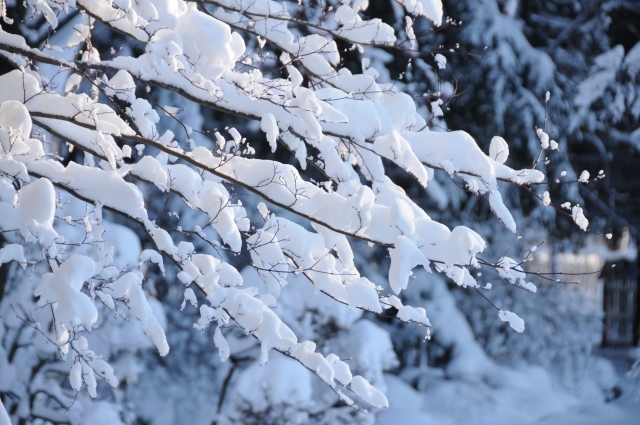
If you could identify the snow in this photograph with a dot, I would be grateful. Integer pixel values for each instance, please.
(584, 177)
(144, 116)
(13, 252)
(498, 149)
(624, 413)
(284, 379)
(189, 296)
(122, 87)
(579, 218)
(514, 321)
(395, 147)
(404, 257)
(544, 138)
(89, 378)
(75, 376)
(356, 30)
(267, 254)
(341, 370)
(152, 256)
(486, 392)
(33, 215)
(103, 369)
(302, 296)
(408, 314)
(102, 413)
(368, 393)
(270, 127)
(501, 211)
(128, 288)
(505, 403)
(62, 289)
(15, 117)
(114, 191)
(361, 293)
(80, 34)
(432, 9)
(222, 345)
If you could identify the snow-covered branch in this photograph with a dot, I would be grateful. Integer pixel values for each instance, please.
(352, 128)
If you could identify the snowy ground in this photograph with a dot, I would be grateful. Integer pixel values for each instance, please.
(622, 411)
(529, 397)
(625, 411)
